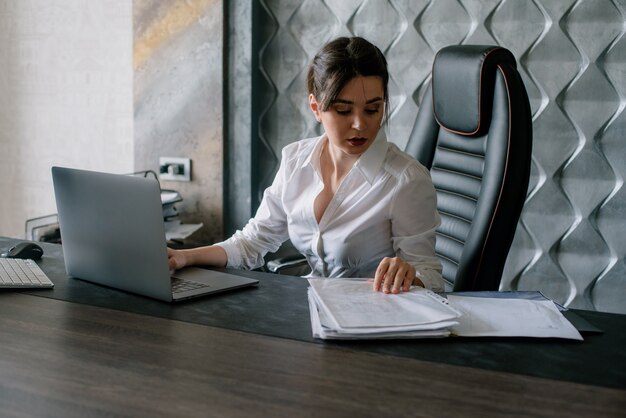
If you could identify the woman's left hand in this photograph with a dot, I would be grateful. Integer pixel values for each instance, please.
(394, 275)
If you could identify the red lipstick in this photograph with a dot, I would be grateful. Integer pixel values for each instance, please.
(357, 141)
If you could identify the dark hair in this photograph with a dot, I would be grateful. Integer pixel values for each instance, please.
(338, 62)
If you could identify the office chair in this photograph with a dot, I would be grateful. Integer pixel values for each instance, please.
(475, 136)
(474, 132)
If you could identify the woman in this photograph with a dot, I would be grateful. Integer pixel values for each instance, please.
(351, 202)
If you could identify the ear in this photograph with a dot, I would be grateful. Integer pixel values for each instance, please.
(315, 107)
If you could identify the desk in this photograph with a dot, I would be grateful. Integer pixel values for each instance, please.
(132, 356)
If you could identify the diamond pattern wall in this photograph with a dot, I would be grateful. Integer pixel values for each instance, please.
(571, 239)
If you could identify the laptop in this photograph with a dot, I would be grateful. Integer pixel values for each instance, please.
(113, 234)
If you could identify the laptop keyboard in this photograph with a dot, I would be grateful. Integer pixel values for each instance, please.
(17, 273)
(180, 285)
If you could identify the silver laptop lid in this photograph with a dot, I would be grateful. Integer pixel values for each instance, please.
(112, 230)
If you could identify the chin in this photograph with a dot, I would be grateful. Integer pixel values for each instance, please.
(357, 149)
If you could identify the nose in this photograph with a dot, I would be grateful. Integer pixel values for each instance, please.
(358, 122)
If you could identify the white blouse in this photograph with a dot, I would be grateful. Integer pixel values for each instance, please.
(384, 207)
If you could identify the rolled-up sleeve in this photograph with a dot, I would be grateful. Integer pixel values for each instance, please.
(262, 234)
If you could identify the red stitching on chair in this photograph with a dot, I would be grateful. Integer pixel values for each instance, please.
(504, 178)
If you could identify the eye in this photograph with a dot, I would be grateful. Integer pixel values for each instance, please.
(343, 110)
(372, 111)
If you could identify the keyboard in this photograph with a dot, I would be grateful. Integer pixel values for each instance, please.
(16, 273)
(180, 285)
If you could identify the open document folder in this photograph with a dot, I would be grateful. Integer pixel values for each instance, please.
(491, 317)
(350, 309)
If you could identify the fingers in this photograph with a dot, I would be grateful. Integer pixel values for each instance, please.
(393, 275)
(380, 274)
(174, 259)
(171, 262)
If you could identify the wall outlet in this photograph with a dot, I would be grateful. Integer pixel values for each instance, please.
(174, 169)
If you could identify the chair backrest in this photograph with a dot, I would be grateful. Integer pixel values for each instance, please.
(474, 132)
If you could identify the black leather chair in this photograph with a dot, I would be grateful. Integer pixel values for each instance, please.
(474, 132)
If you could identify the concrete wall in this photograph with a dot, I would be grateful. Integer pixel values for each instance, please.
(65, 98)
(178, 100)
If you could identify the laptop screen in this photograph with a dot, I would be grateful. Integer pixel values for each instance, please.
(112, 230)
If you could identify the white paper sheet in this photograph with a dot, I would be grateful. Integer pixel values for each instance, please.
(510, 318)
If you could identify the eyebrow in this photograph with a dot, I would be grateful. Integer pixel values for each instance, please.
(342, 101)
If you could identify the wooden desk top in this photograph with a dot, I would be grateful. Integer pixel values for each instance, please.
(83, 349)
(278, 307)
(59, 358)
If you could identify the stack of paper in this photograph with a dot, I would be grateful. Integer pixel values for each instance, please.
(350, 309)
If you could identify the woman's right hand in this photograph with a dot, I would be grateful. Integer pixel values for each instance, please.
(212, 255)
(176, 259)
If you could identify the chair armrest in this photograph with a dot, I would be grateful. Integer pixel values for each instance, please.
(292, 264)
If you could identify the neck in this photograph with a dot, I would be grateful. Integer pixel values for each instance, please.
(337, 163)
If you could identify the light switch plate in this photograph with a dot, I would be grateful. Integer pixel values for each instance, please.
(174, 169)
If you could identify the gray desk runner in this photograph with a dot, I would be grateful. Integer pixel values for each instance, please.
(279, 308)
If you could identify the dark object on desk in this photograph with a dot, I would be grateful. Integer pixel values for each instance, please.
(24, 250)
(474, 132)
(581, 324)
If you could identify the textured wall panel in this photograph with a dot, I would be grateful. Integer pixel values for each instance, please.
(571, 240)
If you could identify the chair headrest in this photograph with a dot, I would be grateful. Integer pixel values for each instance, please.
(463, 83)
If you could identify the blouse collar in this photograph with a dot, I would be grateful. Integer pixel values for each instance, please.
(372, 160)
(369, 163)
